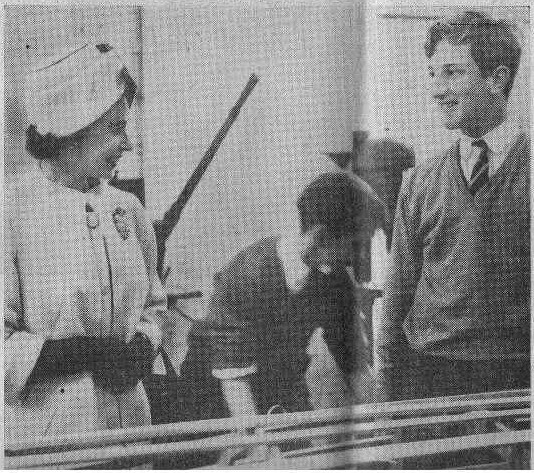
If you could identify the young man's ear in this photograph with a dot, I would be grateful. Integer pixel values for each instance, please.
(499, 79)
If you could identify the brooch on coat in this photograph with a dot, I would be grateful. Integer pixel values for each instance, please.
(91, 216)
(121, 222)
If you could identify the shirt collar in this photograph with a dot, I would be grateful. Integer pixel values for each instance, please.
(295, 271)
(499, 139)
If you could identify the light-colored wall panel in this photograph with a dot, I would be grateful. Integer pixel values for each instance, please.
(196, 61)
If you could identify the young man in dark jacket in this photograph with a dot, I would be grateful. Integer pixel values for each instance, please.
(272, 296)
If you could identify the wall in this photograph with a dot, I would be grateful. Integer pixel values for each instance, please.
(195, 62)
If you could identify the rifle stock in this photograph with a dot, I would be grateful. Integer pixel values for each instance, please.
(164, 227)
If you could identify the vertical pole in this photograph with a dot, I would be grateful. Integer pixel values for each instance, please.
(140, 97)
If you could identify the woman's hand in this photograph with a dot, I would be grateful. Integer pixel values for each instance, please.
(67, 356)
(127, 365)
(141, 355)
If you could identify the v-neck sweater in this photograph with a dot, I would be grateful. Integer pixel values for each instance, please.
(459, 282)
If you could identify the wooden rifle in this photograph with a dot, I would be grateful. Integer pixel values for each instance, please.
(164, 227)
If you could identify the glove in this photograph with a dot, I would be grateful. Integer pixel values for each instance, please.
(71, 355)
(141, 355)
(126, 371)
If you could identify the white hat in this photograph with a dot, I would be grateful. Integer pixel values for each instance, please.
(67, 93)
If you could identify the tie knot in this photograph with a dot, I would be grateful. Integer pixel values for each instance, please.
(480, 144)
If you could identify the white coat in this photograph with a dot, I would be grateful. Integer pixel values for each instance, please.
(63, 279)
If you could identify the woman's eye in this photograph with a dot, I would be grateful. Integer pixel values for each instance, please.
(455, 72)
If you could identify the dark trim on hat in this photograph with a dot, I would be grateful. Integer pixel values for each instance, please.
(104, 47)
(62, 59)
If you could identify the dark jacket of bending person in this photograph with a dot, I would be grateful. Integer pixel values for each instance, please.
(273, 295)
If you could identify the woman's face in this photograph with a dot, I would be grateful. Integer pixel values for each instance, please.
(101, 145)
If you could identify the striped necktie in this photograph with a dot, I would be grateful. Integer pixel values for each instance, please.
(480, 173)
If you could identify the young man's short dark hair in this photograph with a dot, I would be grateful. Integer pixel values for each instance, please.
(492, 42)
(342, 203)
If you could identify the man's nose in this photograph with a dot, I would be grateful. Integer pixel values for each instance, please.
(440, 86)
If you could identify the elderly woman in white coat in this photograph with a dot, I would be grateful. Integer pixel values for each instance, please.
(81, 291)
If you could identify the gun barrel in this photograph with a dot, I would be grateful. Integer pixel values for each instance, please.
(164, 227)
